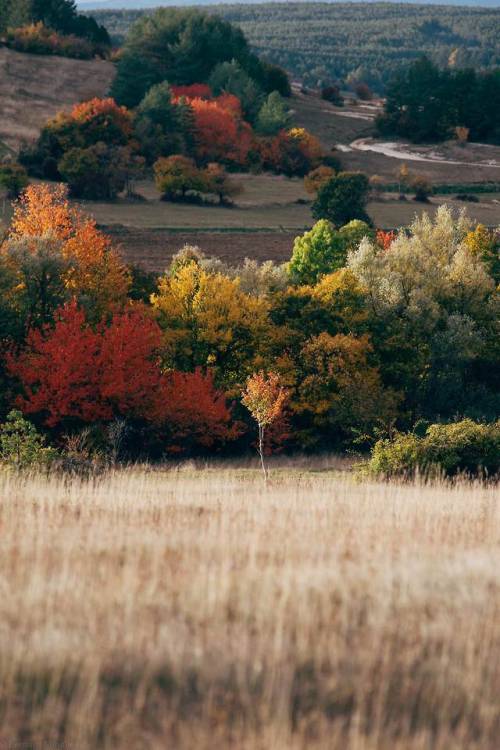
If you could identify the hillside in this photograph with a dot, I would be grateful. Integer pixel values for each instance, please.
(314, 41)
(34, 88)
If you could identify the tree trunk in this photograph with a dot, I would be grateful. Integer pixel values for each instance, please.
(261, 451)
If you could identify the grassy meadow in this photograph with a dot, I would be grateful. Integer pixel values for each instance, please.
(200, 608)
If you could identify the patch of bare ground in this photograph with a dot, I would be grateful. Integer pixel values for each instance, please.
(153, 249)
(33, 88)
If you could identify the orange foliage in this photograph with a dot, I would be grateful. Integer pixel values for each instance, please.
(221, 134)
(195, 90)
(293, 152)
(97, 271)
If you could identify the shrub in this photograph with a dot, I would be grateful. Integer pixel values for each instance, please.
(422, 188)
(39, 40)
(332, 94)
(13, 178)
(176, 176)
(21, 446)
(460, 447)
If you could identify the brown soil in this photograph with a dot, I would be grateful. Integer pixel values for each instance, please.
(152, 249)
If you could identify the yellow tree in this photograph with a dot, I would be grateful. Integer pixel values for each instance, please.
(209, 321)
(264, 397)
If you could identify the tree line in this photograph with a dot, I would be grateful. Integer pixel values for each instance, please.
(367, 332)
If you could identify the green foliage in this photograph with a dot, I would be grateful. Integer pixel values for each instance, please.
(273, 115)
(13, 178)
(99, 172)
(230, 78)
(324, 249)
(425, 103)
(460, 447)
(21, 446)
(329, 41)
(158, 123)
(181, 46)
(343, 198)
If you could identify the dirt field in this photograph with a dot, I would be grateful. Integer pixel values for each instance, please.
(34, 88)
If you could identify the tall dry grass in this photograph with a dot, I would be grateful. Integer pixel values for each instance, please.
(200, 609)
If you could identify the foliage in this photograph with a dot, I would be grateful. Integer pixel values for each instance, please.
(157, 123)
(332, 94)
(70, 371)
(196, 413)
(220, 133)
(292, 152)
(317, 178)
(230, 78)
(425, 103)
(21, 446)
(436, 309)
(324, 249)
(98, 172)
(343, 198)
(208, 321)
(332, 41)
(176, 176)
(273, 116)
(54, 252)
(181, 46)
(217, 181)
(13, 178)
(459, 447)
(37, 39)
(264, 397)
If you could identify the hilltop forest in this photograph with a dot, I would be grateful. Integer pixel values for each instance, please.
(318, 41)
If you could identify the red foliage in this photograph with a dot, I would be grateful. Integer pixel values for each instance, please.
(73, 371)
(292, 152)
(195, 90)
(221, 134)
(196, 412)
(385, 239)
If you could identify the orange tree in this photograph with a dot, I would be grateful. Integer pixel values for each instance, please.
(264, 397)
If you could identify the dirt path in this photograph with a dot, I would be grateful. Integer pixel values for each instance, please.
(400, 151)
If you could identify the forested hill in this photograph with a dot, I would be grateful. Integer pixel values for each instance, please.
(134, 4)
(317, 41)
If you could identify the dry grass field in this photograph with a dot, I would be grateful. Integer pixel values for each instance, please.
(33, 88)
(199, 609)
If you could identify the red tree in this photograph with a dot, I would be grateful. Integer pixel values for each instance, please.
(71, 370)
(195, 90)
(196, 413)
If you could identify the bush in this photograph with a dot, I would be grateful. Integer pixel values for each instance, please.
(21, 446)
(39, 40)
(342, 199)
(468, 197)
(332, 94)
(13, 178)
(461, 447)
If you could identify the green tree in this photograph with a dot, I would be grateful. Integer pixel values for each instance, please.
(99, 172)
(158, 125)
(21, 446)
(230, 78)
(273, 115)
(181, 46)
(13, 178)
(343, 198)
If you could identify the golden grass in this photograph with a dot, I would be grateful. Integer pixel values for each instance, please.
(199, 609)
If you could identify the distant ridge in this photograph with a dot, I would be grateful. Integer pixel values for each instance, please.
(142, 4)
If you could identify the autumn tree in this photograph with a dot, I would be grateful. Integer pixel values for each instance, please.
(48, 236)
(264, 397)
(176, 176)
(324, 249)
(196, 413)
(317, 178)
(70, 371)
(217, 181)
(208, 321)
